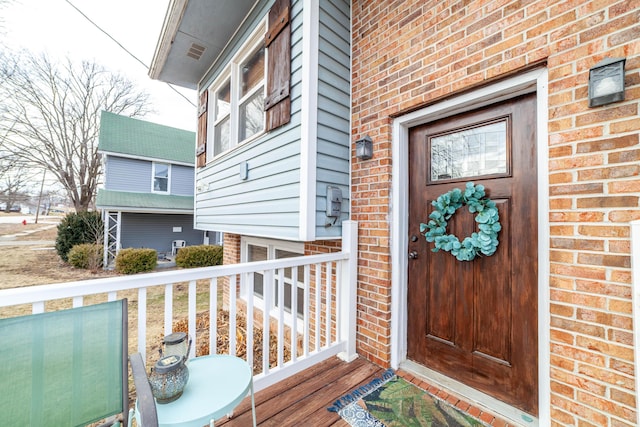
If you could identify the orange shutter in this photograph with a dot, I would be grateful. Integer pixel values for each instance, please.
(278, 42)
(201, 150)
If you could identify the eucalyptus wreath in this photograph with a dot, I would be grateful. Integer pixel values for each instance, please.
(484, 242)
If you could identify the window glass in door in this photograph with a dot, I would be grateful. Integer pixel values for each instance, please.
(475, 151)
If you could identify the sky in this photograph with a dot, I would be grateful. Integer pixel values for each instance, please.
(55, 27)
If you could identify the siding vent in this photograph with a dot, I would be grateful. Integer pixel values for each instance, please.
(195, 51)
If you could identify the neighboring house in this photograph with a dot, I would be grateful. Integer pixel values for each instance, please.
(147, 199)
(494, 92)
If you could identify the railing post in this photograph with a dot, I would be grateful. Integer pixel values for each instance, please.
(348, 291)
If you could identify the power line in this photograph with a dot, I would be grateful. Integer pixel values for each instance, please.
(125, 49)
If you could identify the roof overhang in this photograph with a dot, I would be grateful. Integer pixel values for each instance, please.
(128, 209)
(194, 34)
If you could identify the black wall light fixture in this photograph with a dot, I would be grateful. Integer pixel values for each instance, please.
(364, 148)
(606, 82)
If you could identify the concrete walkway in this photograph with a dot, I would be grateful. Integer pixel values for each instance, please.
(11, 239)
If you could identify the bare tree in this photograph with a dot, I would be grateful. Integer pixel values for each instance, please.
(52, 112)
(14, 188)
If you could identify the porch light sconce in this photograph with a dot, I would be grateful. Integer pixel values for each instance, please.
(606, 82)
(364, 148)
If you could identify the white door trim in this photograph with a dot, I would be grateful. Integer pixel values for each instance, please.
(534, 81)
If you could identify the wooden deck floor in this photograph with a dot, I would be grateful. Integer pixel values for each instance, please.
(302, 400)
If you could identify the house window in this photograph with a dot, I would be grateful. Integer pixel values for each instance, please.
(161, 177)
(254, 249)
(237, 109)
(251, 115)
(222, 119)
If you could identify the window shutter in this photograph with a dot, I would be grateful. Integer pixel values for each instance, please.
(201, 150)
(278, 43)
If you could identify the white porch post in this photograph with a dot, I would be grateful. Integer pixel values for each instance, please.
(105, 239)
(635, 286)
(348, 291)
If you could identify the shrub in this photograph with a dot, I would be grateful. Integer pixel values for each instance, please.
(199, 256)
(86, 255)
(134, 260)
(77, 228)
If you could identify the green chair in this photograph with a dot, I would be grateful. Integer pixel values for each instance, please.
(65, 368)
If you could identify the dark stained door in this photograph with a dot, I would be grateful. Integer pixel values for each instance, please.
(476, 321)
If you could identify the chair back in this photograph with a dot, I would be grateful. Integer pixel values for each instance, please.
(65, 368)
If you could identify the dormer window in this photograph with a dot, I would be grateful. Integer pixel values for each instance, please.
(161, 177)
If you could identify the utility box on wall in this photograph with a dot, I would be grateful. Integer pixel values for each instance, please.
(334, 201)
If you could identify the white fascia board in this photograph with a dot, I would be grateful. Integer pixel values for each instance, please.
(149, 159)
(309, 119)
(126, 209)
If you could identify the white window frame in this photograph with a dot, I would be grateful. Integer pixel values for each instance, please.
(232, 73)
(212, 111)
(272, 246)
(153, 177)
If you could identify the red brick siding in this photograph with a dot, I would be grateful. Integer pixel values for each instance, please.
(409, 54)
(231, 255)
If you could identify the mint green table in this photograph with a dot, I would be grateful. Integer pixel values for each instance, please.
(217, 384)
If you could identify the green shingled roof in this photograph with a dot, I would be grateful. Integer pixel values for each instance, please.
(138, 138)
(109, 199)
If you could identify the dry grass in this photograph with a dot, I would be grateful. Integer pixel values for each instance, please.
(30, 265)
(22, 266)
(35, 264)
(39, 264)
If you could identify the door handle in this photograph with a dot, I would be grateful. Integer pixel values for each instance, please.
(413, 255)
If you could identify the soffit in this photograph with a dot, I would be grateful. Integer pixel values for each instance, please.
(193, 35)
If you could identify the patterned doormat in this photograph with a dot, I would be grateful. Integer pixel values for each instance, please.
(393, 402)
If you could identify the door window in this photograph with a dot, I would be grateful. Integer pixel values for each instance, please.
(478, 150)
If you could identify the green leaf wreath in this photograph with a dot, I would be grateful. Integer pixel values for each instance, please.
(484, 242)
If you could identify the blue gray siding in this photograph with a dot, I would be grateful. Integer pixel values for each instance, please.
(134, 175)
(182, 180)
(267, 203)
(334, 113)
(124, 174)
(155, 231)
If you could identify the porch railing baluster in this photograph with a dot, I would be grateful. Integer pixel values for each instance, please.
(232, 313)
(142, 322)
(280, 317)
(306, 314)
(168, 308)
(267, 290)
(213, 316)
(249, 320)
(325, 328)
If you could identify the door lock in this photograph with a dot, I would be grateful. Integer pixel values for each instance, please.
(413, 255)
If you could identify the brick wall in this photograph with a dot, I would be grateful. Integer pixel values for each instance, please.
(231, 255)
(408, 54)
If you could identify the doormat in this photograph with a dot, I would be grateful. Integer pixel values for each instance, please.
(393, 402)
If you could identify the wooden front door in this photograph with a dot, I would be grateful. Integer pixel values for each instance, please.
(476, 321)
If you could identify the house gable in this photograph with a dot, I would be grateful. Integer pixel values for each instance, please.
(136, 138)
(275, 183)
(131, 148)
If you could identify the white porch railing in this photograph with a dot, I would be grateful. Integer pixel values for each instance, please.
(325, 327)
